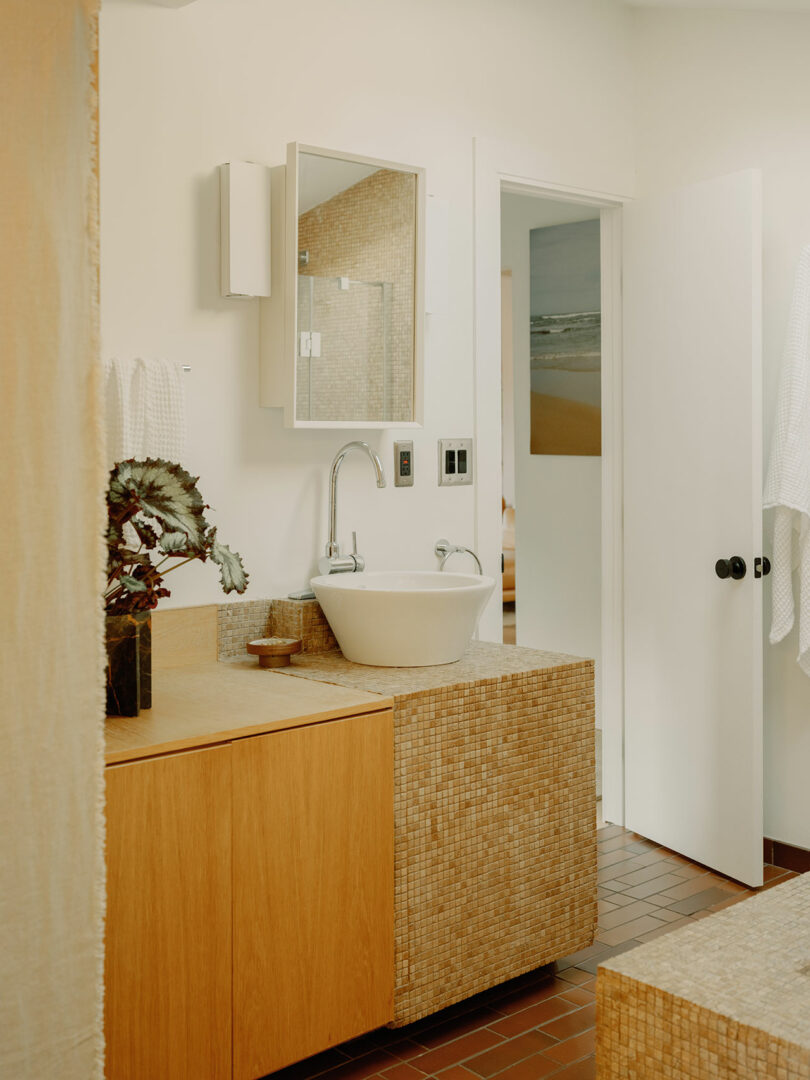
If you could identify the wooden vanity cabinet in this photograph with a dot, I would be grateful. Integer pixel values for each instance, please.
(168, 933)
(250, 901)
(313, 890)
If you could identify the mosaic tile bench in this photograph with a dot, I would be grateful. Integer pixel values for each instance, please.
(727, 998)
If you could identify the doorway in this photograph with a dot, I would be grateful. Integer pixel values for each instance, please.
(551, 384)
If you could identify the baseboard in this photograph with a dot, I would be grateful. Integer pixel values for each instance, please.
(787, 856)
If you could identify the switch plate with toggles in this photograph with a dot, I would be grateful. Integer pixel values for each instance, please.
(455, 462)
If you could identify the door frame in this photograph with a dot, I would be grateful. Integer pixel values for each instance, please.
(502, 168)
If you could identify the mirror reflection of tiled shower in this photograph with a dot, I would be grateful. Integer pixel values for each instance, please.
(343, 366)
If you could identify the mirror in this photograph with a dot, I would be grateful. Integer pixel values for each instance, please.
(353, 279)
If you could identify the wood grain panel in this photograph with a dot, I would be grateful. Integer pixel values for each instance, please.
(168, 947)
(313, 889)
(182, 636)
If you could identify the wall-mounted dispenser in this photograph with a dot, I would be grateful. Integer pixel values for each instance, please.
(245, 228)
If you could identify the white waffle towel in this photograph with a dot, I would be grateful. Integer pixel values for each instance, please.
(145, 410)
(787, 487)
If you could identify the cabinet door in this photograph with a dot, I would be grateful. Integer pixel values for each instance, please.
(168, 947)
(313, 889)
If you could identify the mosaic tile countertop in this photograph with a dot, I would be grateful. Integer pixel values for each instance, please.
(483, 660)
(733, 991)
(494, 815)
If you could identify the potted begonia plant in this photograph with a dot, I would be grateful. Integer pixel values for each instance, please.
(155, 525)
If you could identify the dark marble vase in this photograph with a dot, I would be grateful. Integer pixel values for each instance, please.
(129, 663)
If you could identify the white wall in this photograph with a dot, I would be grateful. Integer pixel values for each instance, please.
(721, 91)
(183, 90)
(558, 516)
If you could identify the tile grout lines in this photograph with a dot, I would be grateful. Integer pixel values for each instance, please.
(543, 1024)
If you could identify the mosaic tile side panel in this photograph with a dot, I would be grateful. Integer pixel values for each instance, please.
(495, 832)
(237, 624)
(303, 619)
(647, 1033)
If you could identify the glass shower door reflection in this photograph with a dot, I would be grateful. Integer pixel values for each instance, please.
(343, 364)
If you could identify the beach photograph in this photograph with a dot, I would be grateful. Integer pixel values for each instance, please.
(566, 327)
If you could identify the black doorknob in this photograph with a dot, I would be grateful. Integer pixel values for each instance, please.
(734, 567)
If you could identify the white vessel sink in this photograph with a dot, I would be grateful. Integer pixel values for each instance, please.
(413, 618)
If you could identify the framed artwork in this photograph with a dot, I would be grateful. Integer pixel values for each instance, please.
(566, 330)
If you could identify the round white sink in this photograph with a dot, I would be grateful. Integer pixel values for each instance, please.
(407, 618)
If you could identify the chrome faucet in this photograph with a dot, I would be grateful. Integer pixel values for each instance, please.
(333, 562)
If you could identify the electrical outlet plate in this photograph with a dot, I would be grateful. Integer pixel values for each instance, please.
(455, 462)
(403, 463)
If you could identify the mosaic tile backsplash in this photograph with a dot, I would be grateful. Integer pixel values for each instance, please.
(239, 623)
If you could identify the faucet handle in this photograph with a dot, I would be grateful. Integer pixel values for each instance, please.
(359, 561)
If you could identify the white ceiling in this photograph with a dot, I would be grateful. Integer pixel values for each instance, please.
(730, 5)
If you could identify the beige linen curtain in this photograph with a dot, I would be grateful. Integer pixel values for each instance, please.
(51, 518)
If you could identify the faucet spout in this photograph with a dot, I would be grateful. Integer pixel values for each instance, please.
(332, 545)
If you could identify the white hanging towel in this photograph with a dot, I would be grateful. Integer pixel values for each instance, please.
(145, 410)
(787, 487)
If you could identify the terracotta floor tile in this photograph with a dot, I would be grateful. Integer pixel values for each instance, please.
(453, 1053)
(580, 1070)
(403, 1071)
(509, 1053)
(405, 1049)
(457, 1072)
(618, 840)
(580, 1046)
(575, 959)
(532, 1017)
(682, 889)
(728, 902)
(457, 1026)
(646, 873)
(522, 999)
(655, 885)
(577, 975)
(609, 831)
(639, 846)
(629, 930)
(699, 901)
(667, 915)
(590, 985)
(610, 858)
(621, 900)
(533, 1068)
(622, 869)
(572, 1023)
(591, 966)
(686, 870)
(625, 914)
(578, 995)
(665, 928)
(770, 872)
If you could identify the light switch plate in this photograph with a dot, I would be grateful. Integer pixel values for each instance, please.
(455, 462)
(403, 463)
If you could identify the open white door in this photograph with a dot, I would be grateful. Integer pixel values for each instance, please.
(693, 495)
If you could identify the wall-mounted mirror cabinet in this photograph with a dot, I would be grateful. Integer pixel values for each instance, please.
(342, 331)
